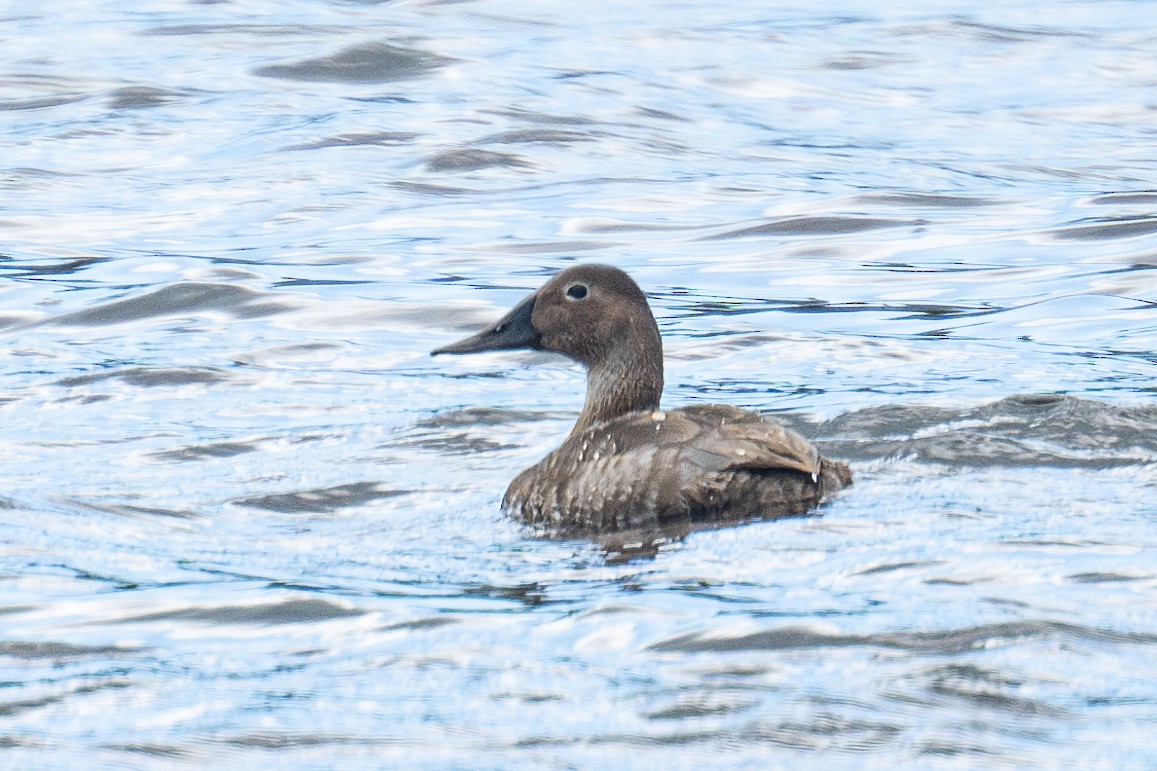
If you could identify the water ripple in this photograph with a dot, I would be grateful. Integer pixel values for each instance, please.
(364, 63)
(929, 643)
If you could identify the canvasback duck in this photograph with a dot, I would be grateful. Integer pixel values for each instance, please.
(627, 464)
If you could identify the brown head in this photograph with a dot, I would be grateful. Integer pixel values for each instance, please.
(598, 316)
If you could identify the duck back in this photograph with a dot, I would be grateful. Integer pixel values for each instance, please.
(698, 464)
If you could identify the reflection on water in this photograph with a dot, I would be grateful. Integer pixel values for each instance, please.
(246, 519)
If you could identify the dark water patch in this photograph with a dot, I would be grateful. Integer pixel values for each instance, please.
(431, 622)
(814, 226)
(58, 651)
(382, 99)
(14, 742)
(291, 282)
(452, 444)
(378, 138)
(7, 322)
(718, 701)
(827, 731)
(972, 674)
(979, 687)
(1026, 430)
(1146, 198)
(745, 305)
(129, 510)
(989, 33)
(1074, 543)
(280, 355)
(288, 741)
(874, 422)
(118, 584)
(140, 97)
(264, 30)
(928, 200)
(151, 750)
(302, 611)
(537, 136)
(205, 451)
(1075, 421)
(651, 112)
(954, 581)
(542, 118)
(583, 74)
(1006, 602)
(362, 63)
(146, 377)
(1090, 174)
(442, 433)
(523, 697)
(897, 566)
(929, 643)
(186, 297)
(25, 705)
(531, 595)
(1118, 701)
(546, 247)
(893, 266)
(86, 398)
(71, 265)
(604, 226)
(322, 500)
(1105, 228)
(440, 191)
(1004, 34)
(631, 741)
(486, 416)
(1104, 578)
(861, 60)
(938, 749)
(472, 159)
(28, 177)
(976, 450)
(786, 638)
(690, 305)
(40, 103)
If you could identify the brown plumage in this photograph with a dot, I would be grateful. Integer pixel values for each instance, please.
(627, 465)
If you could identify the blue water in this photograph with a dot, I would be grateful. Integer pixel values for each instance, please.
(245, 518)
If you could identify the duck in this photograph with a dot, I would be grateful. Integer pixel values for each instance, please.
(628, 465)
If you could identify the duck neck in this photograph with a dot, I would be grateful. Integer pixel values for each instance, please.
(622, 383)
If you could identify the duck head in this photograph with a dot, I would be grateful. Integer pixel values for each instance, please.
(593, 314)
(598, 316)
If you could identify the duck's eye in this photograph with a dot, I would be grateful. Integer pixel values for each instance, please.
(577, 291)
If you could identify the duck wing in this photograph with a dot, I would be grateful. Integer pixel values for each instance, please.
(728, 438)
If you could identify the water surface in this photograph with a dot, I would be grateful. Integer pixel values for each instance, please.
(246, 519)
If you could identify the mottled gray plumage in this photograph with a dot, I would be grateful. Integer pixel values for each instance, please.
(627, 465)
